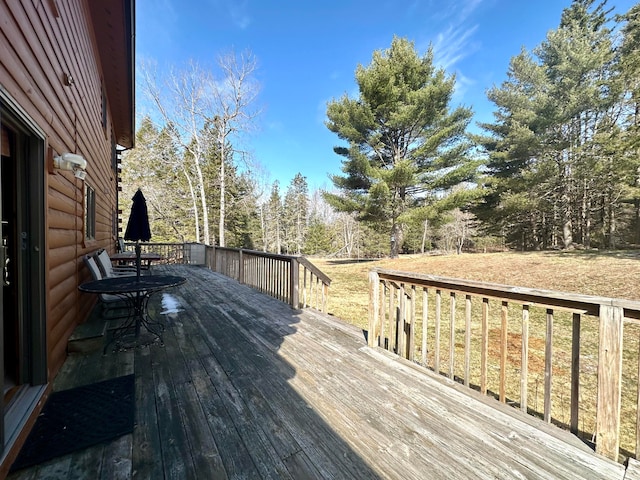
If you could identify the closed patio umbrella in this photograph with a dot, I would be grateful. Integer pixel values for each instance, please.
(138, 226)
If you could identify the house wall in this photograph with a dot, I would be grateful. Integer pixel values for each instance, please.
(49, 65)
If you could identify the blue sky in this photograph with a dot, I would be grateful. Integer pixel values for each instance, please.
(307, 53)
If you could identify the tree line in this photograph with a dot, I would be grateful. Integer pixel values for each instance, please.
(557, 168)
(563, 167)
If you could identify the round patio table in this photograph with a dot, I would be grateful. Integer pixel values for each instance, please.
(136, 292)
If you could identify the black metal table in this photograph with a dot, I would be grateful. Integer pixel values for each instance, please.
(136, 292)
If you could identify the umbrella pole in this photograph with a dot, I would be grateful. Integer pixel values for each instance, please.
(138, 255)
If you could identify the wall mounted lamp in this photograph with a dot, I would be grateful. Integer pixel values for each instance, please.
(71, 162)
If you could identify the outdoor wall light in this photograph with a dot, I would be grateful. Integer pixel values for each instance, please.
(71, 162)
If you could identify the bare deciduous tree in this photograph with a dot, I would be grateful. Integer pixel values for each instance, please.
(456, 232)
(233, 97)
(193, 100)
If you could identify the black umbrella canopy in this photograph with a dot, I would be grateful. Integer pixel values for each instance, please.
(138, 226)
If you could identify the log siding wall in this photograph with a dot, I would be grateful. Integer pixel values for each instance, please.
(44, 44)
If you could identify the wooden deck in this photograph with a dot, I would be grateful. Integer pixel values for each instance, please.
(246, 387)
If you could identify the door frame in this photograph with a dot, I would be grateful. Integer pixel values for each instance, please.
(30, 174)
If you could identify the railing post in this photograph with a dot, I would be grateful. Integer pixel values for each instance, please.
(374, 302)
(609, 381)
(294, 284)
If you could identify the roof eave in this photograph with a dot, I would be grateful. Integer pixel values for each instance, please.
(114, 27)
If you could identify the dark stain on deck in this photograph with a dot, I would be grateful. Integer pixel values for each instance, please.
(247, 388)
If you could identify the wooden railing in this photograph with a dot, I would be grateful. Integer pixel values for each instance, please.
(557, 355)
(291, 279)
(170, 252)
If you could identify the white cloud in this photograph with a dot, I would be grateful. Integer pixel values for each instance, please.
(454, 44)
(468, 7)
(453, 21)
(454, 36)
(456, 11)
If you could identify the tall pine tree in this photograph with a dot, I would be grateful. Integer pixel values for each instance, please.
(404, 142)
(551, 162)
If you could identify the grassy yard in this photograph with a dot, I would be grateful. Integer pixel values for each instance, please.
(611, 274)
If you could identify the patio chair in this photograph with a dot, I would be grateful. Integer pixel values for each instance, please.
(108, 269)
(108, 301)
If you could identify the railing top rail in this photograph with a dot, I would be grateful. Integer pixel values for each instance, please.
(276, 256)
(552, 298)
(315, 270)
(151, 244)
(257, 253)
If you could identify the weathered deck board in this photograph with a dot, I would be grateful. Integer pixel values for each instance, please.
(245, 387)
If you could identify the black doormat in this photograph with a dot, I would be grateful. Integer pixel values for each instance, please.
(78, 418)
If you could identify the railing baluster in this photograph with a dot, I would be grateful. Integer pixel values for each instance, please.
(294, 283)
(374, 302)
(548, 366)
(258, 269)
(425, 324)
(485, 346)
(304, 288)
(467, 340)
(276, 280)
(384, 343)
(275, 271)
(524, 362)
(504, 346)
(315, 301)
(637, 451)
(452, 334)
(412, 323)
(393, 318)
(317, 292)
(575, 372)
(325, 296)
(402, 322)
(281, 282)
(286, 279)
(436, 347)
